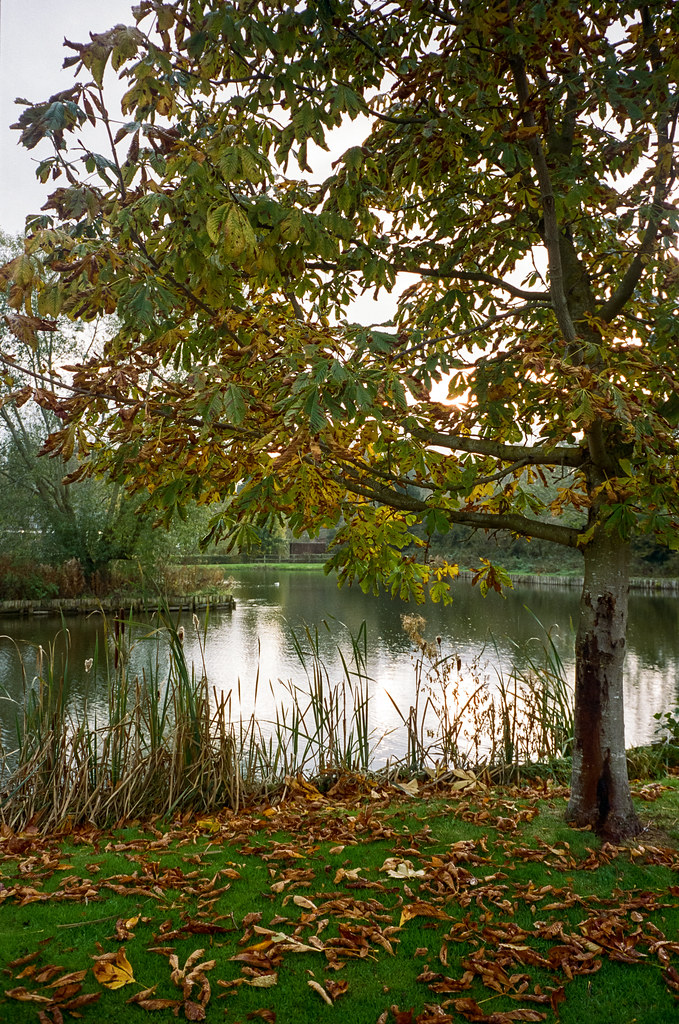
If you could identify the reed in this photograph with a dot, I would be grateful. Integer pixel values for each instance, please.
(163, 745)
(165, 742)
(326, 725)
(458, 720)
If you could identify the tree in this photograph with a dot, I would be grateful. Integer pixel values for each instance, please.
(516, 160)
(41, 516)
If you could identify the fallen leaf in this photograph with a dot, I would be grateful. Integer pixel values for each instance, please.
(336, 988)
(114, 971)
(401, 869)
(24, 996)
(320, 990)
(262, 980)
(302, 901)
(69, 979)
(410, 788)
(421, 909)
(24, 960)
(194, 1011)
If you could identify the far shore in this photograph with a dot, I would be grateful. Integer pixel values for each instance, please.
(223, 600)
(118, 605)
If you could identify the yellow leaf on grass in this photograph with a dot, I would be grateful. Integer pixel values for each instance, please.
(208, 825)
(114, 973)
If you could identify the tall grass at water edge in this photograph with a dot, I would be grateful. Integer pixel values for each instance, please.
(463, 717)
(168, 742)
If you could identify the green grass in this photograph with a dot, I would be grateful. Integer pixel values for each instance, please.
(501, 867)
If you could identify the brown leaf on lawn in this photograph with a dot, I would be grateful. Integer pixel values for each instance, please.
(123, 929)
(113, 970)
(351, 874)
(69, 979)
(320, 990)
(421, 909)
(146, 993)
(160, 1004)
(440, 984)
(29, 958)
(194, 1011)
(671, 977)
(402, 1016)
(66, 992)
(190, 926)
(23, 995)
(433, 1014)
(46, 973)
(401, 869)
(336, 988)
(263, 980)
(470, 1009)
(28, 972)
(84, 1000)
(302, 901)
(268, 1015)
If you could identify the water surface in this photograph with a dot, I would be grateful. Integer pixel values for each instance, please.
(252, 647)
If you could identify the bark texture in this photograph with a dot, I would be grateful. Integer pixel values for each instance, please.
(600, 794)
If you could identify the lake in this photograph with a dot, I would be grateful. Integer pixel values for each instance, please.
(256, 642)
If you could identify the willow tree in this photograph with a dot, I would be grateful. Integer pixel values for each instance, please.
(515, 160)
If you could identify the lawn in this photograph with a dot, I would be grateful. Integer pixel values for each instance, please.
(390, 903)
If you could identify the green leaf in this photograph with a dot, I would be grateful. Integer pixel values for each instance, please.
(234, 404)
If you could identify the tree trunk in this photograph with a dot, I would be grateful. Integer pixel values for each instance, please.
(600, 794)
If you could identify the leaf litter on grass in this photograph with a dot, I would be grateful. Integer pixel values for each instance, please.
(348, 878)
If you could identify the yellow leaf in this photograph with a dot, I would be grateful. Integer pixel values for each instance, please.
(115, 972)
(208, 825)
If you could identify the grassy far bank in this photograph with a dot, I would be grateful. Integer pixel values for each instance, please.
(397, 903)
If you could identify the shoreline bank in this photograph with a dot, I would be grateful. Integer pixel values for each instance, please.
(57, 606)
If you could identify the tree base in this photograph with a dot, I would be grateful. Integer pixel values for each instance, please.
(615, 829)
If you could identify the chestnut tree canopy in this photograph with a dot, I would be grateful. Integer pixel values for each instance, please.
(510, 178)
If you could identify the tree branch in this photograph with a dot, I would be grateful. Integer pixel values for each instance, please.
(488, 322)
(531, 455)
(552, 239)
(462, 275)
(512, 522)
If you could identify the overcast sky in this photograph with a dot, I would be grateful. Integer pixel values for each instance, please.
(31, 56)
